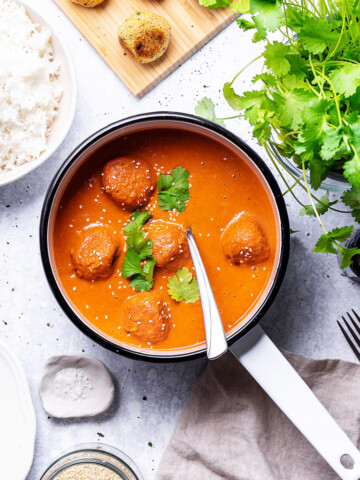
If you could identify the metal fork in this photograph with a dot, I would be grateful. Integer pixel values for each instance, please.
(351, 332)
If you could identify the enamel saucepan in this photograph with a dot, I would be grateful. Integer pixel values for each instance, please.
(247, 341)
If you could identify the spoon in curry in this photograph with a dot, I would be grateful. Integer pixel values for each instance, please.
(216, 343)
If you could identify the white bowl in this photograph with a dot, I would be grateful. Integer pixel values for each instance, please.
(65, 115)
(17, 418)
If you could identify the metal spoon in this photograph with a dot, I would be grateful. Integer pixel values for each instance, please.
(216, 343)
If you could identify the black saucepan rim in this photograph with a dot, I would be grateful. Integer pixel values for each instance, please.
(190, 119)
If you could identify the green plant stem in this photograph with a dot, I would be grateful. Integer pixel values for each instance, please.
(311, 199)
(243, 69)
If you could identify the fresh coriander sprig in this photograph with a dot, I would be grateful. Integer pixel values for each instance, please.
(173, 190)
(308, 104)
(183, 287)
(138, 262)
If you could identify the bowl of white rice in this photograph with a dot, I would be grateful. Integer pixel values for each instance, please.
(37, 90)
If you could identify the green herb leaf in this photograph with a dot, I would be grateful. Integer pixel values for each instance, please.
(267, 15)
(291, 110)
(346, 79)
(241, 6)
(205, 108)
(327, 242)
(173, 190)
(266, 78)
(135, 237)
(131, 264)
(352, 170)
(275, 58)
(317, 35)
(183, 287)
(347, 255)
(214, 3)
(321, 207)
(245, 25)
(351, 198)
(234, 100)
(139, 248)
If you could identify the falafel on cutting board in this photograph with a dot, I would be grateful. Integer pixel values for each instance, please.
(145, 36)
(88, 3)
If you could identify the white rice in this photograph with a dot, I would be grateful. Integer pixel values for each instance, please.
(29, 87)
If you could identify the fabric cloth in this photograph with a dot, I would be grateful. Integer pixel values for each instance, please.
(230, 429)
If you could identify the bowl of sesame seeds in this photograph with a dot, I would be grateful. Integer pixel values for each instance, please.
(93, 461)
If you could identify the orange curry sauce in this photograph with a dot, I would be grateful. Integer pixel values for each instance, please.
(221, 185)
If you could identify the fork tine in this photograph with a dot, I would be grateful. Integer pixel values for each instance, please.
(356, 315)
(355, 338)
(356, 326)
(349, 340)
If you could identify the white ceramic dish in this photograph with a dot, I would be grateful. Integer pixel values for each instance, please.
(63, 120)
(17, 418)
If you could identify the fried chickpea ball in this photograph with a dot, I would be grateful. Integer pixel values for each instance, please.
(94, 255)
(145, 36)
(88, 3)
(129, 181)
(145, 316)
(170, 250)
(243, 241)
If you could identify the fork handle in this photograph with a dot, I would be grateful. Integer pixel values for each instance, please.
(281, 382)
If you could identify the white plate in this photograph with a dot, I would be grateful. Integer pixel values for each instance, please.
(65, 116)
(17, 419)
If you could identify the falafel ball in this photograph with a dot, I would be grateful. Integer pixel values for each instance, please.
(88, 3)
(170, 250)
(145, 36)
(146, 317)
(129, 181)
(243, 241)
(94, 255)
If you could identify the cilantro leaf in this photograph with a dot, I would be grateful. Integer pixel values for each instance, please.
(214, 3)
(275, 58)
(183, 287)
(352, 170)
(205, 108)
(347, 255)
(141, 284)
(139, 248)
(266, 78)
(327, 243)
(346, 79)
(241, 6)
(131, 265)
(245, 25)
(231, 97)
(351, 198)
(173, 190)
(317, 35)
(267, 15)
(135, 237)
(291, 110)
(254, 103)
(322, 206)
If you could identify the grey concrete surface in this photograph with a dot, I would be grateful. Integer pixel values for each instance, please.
(149, 397)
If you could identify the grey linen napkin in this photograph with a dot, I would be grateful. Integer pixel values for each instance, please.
(230, 429)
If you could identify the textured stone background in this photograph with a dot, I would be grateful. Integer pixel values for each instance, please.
(302, 319)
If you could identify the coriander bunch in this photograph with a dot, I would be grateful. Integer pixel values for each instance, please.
(306, 101)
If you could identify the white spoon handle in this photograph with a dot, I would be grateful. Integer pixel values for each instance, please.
(276, 376)
(216, 343)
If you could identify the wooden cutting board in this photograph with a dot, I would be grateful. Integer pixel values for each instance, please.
(191, 26)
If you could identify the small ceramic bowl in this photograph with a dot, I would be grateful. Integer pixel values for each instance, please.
(65, 116)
